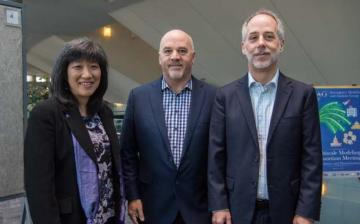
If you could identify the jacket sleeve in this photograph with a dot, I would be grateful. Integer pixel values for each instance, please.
(217, 156)
(309, 200)
(129, 149)
(39, 165)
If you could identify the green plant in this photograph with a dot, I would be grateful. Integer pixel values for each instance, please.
(36, 92)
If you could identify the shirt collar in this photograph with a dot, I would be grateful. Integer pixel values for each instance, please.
(164, 85)
(274, 80)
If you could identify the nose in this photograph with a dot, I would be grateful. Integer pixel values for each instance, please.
(174, 55)
(261, 41)
(86, 72)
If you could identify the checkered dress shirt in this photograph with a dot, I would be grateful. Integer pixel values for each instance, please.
(262, 99)
(176, 108)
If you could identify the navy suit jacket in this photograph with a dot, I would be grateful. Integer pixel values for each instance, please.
(149, 170)
(294, 158)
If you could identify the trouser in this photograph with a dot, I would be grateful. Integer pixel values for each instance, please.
(179, 219)
(261, 214)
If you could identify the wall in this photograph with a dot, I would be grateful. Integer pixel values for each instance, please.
(11, 106)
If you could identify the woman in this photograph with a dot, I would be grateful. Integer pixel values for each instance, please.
(72, 155)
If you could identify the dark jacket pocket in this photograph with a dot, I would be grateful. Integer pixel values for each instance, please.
(291, 116)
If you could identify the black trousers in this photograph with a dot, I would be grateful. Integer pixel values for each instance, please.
(179, 219)
(261, 214)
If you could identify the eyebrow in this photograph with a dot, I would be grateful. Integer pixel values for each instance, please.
(266, 32)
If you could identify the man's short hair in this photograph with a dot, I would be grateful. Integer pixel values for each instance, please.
(280, 27)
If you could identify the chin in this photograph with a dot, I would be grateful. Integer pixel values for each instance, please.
(176, 76)
(88, 93)
(261, 65)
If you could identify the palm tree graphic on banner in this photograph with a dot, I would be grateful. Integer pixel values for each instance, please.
(333, 116)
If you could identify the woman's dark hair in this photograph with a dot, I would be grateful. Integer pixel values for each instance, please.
(78, 49)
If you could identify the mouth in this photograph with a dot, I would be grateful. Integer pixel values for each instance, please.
(260, 54)
(175, 65)
(86, 84)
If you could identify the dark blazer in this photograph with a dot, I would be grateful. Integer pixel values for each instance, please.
(294, 158)
(149, 171)
(50, 172)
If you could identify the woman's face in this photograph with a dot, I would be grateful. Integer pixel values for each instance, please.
(83, 78)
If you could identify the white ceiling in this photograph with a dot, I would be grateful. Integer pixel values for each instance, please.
(322, 36)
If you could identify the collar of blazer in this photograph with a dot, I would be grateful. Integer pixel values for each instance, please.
(282, 96)
(197, 101)
(74, 121)
(78, 129)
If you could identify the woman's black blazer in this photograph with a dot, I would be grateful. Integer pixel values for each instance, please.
(50, 173)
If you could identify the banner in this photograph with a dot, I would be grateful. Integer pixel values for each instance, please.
(340, 129)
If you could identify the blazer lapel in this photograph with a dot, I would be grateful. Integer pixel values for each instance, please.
(108, 122)
(282, 97)
(246, 106)
(77, 127)
(158, 112)
(197, 96)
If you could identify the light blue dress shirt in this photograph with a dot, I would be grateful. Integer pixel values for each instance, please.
(262, 99)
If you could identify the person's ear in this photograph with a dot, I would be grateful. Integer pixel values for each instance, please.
(243, 48)
(282, 46)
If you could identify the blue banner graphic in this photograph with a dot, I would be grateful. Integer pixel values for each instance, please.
(340, 129)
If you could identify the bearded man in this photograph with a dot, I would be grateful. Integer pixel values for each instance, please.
(265, 160)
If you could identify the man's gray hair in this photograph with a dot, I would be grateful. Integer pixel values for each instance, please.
(280, 27)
